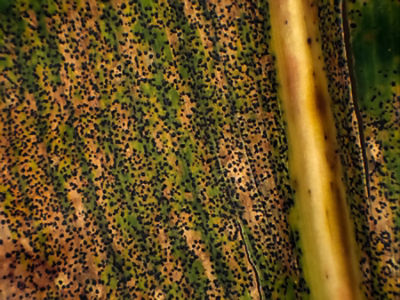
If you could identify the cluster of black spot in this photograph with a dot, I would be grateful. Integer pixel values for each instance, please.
(143, 152)
(370, 172)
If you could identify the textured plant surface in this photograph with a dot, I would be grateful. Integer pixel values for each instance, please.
(144, 150)
(376, 51)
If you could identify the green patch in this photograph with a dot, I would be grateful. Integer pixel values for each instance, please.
(5, 6)
(376, 48)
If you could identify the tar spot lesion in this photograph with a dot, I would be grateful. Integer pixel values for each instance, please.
(134, 137)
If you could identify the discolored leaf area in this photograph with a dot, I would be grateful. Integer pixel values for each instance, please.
(144, 150)
(143, 153)
(375, 49)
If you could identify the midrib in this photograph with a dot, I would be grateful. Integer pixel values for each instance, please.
(327, 238)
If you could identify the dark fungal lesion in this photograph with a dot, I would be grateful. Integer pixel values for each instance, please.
(113, 154)
(368, 71)
(131, 134)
